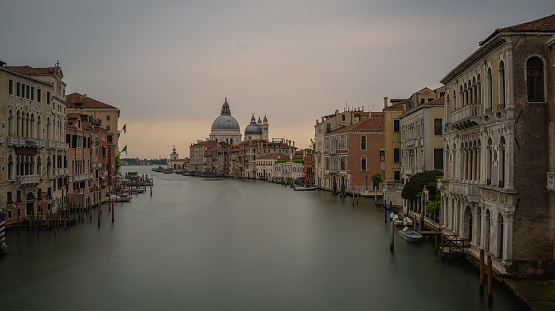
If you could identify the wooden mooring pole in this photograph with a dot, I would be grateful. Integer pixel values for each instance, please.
(490, 281)
(482, 276)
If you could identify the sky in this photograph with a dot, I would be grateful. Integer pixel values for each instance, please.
(168, 65)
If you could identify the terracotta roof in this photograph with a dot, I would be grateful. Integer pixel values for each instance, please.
(372, 124)
(436, 102)
(277, 156)
(399, 105)
(30, 71)
(76, 100)
(206, 142)
(544, 24)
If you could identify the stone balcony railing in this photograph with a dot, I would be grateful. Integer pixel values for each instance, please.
(551, 181)
(466, 116)
(30, 179)
(468, 190)
(42, 143)
(50, 144)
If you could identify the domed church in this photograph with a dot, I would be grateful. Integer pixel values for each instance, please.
(257, 130)
(226, 128)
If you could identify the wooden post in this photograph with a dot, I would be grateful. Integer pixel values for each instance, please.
(435, 242)
(490, 281)
(112, 207)
(391, 237)
(99, 208)
(482, 276)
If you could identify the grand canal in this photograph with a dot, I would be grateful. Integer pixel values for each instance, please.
(230, 244)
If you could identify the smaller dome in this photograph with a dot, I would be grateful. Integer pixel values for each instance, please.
(253, 128)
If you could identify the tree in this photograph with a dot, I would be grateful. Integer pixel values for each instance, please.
(413, 188)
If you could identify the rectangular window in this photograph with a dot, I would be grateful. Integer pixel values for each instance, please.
(48, 98)
(328, 128)
(430, 99)
(396, 155)
(396, 125)
(397, 175)
(438, 125)
(108, 118)
(39, 95)
(68, 138)
(422, 100)
(10, 87)
(18, 89)
(32, 93)
(363, 164)
(107, 127)
(28, 94)
(23, 90)
(438, 159)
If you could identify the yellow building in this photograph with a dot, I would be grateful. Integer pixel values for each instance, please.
(107, 114)
(392, 157)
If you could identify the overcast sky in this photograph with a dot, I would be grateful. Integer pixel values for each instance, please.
(167, 65)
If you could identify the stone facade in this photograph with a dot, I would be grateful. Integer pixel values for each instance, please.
(33, 168)
(498, 118)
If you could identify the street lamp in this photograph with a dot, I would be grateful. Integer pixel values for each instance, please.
(366, 182)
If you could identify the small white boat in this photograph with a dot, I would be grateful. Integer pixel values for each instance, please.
(410, 236)
(118, 198)
(305, 188)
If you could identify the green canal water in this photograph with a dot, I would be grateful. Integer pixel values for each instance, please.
(199, 244)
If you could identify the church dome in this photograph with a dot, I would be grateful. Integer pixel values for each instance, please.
(253, 128)
(225, 121)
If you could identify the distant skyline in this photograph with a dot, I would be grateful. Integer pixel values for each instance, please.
(168, 65)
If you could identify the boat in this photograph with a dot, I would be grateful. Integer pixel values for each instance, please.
(301, 188)
(402, 220)
(168, 171)
(118, 198)
(410, 236)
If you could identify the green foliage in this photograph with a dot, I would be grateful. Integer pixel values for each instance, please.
(377, 178)
(298, 161)
(282, 161)
(117, 165)
(413, 188)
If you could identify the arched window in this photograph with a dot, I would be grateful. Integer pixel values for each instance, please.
(489, 162)
(10, 123)
(534, 79)
(454, 99)
(502, 162)
(363, 164)
(489, 92)
(363, 142)
(502, 90)
(10, 168)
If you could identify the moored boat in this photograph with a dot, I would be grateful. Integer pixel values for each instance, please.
(410, 236)
(118, 198)
(300, 188)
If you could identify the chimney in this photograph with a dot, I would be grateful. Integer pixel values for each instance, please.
(404, 107)
(385, 102)
(293, 144)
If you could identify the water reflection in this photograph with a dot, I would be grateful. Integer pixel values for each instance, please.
(232, 244)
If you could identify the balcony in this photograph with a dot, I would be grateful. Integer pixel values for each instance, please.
(29, 142)
(50, 144)
(30, 179)
(81, 177)
(469, 190)
(466, 117)
(42, 143)
(13, 141)
(551, 181)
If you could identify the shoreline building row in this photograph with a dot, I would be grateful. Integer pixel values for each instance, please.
(490, 130)
(51, 152)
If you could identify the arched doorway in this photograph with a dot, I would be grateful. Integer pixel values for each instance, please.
(500, 236)
(30, 203)
(487, 231)
(467, 224)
